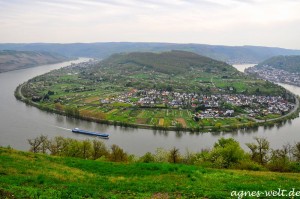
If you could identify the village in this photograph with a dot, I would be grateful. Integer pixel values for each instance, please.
(275, 75)
(205, 106)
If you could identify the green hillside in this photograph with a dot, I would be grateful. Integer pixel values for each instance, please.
(173, 62)
(14, 60)
(287, 63)
(28, 175)
(174, 70)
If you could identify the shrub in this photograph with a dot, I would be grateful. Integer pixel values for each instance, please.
(147, 158)
(226, 153)
(249, 165)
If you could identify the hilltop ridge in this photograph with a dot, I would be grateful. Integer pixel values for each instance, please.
(229, 54)
(171, 62)
(289, 63)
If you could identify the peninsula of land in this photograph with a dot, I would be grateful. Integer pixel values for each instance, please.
(174, 90)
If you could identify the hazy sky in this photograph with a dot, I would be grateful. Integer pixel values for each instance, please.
(227, 22)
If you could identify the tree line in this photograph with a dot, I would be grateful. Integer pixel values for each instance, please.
(226, 153)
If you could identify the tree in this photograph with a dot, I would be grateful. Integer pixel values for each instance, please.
(55, 146)
(161, 155)
(38, 144)
(73, 148)
(117, 154)
(201, 124)
(226, 153)
(279, 160)
(72, 111)
(99, 149)
(174, 156)
(86, 149)
(59, 106)
(296, 151)
(259, 150)
(218, 125)
(44, 143)
(189, 157)
(289, 150)
(147, 158)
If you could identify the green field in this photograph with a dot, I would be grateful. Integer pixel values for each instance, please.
(28, 175)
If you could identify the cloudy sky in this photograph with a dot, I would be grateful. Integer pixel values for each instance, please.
(226, 22)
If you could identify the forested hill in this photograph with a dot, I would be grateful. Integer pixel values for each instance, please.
(173, 62)
(287, 63)
(229, 54)
(14, 60)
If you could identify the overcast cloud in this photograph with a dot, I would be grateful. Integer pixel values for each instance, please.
(226, 22)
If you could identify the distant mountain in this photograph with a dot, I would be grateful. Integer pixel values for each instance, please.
(14, 60)
(229, 54)
(287, 63)
(172, 62)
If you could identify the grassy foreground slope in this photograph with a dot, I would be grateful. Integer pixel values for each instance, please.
(28, 175)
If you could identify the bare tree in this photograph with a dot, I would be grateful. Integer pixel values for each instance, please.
(296, 151)
(288, 149)
(38, 144)
(55, 146)
(279, 160)
(174, 155)
(44, 143)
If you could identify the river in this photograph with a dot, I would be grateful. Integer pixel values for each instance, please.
(20, 122)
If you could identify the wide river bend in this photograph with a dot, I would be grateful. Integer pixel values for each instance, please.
(19, 122)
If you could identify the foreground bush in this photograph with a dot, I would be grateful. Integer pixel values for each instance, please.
(226, 153)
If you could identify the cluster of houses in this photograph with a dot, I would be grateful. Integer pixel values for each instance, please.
(220, 105)
(275, 75)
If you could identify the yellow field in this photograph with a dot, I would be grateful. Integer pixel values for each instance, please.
(91, 99)
(111, 111)
(161, 121)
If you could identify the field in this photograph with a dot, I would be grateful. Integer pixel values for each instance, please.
(27, 175)
(151, 116)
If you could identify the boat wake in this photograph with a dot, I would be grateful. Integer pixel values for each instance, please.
(63, 128)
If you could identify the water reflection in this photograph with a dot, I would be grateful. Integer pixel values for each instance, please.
(59, 118)
(179, 134)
